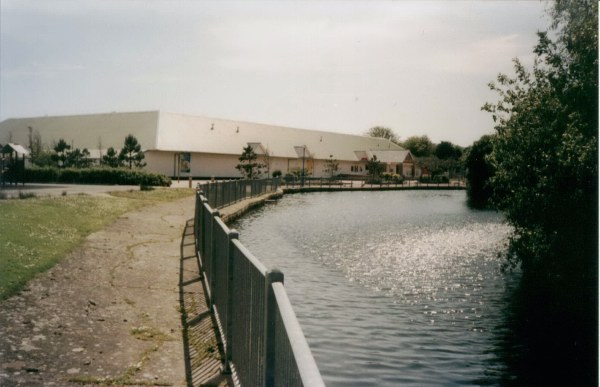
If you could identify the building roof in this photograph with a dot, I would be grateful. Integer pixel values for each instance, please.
(14, 148)
(157, 130)
(392, 156)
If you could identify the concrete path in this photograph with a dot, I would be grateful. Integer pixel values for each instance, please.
(109, 313)
(39, 189)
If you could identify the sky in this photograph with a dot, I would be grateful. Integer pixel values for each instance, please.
(416, 67)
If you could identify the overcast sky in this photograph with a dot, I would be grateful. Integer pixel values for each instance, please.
(416, 67)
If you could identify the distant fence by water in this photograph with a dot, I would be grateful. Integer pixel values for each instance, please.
(222, 193)
(360, 183)
(262, 340)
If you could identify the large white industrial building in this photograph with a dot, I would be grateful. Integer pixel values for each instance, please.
(185, 145)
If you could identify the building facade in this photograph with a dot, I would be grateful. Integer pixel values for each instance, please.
(203, 147)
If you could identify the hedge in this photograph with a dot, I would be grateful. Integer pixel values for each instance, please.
(119, 176)
(435, 180)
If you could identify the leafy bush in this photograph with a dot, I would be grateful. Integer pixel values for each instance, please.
(392, 178)
(118, 176)
(480, 172)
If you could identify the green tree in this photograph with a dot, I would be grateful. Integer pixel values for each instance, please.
(35, 145)
(131, 154)
(419, 146)
(111, 158)
(479, 172)
(446, 150)
(546, 155)
(248, 166)
(383, 132)
(61, 149)
(78, 158)
(374, 168)
(39, 154)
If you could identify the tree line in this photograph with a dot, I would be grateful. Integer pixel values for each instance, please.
(540, 169)
(438, 159)
(65, 155)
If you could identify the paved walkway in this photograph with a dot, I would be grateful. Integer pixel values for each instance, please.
(72, 189)
(109, 313)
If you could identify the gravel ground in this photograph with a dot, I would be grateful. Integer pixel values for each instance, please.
(109, 313)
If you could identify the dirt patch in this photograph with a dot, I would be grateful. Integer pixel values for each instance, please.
(109, 313)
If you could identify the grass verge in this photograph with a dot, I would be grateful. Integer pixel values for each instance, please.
(37, 233)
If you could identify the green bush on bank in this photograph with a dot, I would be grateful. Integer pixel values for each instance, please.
(390, 177)
(98, 175)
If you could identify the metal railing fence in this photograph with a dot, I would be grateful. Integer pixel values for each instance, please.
(262, 339)
(361, 182)
(223, 193)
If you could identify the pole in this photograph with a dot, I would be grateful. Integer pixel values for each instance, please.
(302, 179)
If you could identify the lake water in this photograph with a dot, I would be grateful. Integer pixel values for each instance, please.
(394, 287)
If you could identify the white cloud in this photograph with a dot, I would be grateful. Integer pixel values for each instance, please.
(333, 65)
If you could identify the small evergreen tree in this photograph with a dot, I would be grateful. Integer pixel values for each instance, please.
(131, 154)
(61, 150)
(375, 168)
(111, 158)
(248, 166)
(78, 158)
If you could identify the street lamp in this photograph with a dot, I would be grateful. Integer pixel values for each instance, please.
(303, 154)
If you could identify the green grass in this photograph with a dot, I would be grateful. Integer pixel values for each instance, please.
(37, 233)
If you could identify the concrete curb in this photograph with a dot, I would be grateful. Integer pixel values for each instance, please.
(236, 210)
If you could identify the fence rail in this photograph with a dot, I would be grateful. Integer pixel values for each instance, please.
(262, 339)
(359, 183)
(223, 193)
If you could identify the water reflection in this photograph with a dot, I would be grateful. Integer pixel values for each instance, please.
(549, 336)
(401, 288)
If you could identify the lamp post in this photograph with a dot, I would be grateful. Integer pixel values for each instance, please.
(303, 154)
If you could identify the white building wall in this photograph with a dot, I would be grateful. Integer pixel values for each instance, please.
(159, 162)
(205, 165)
(223, 166)
(276, 164)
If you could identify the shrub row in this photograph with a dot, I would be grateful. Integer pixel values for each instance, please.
(435, 180)
(120, 176)
(392, 178)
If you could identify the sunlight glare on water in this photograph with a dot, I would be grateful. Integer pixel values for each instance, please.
(400, 287)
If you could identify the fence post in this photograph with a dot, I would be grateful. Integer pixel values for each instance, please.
(231, 236)
(270, 332)
(211, 255)
(198, 219)
(202, 233)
